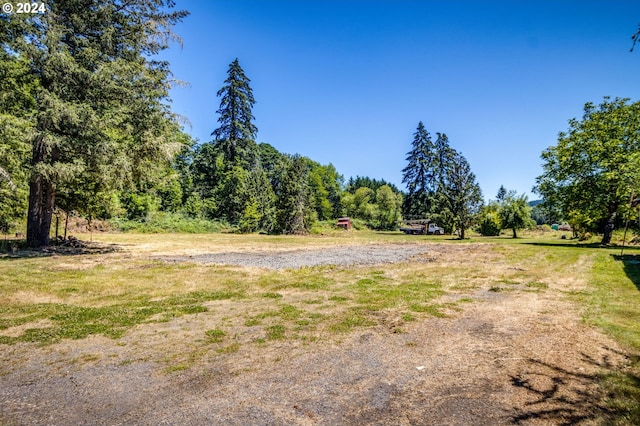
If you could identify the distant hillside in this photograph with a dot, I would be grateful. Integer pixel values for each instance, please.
(535, 203)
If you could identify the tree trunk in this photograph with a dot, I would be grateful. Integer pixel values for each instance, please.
(40, 213)
(461, 236)
(66, 224)
(608, 232)
(514, 233)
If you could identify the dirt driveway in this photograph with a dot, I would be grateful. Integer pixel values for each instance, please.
(509, 358)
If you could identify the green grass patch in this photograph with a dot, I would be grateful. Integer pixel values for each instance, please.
(230, 349)
(434, 310)
(272, 295)
(350, 321)
(276, 332)
(537, 285)
(78, 322)
(215, 336)
(613, 304)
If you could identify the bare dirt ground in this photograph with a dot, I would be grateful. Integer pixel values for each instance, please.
(509, 358)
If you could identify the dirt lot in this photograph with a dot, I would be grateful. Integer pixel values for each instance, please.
(512, 357)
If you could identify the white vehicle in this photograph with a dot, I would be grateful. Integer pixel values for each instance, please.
(422, 228)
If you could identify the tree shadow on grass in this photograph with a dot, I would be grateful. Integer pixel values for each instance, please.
(631, 265)
(17, 249)
(570, 245)
(563, 397)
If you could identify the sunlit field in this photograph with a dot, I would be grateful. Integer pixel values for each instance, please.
(132, 292)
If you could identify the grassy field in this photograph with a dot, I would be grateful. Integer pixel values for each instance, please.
(45, 299)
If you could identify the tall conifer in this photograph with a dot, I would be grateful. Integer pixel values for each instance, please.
(100, 109)
(236, 135)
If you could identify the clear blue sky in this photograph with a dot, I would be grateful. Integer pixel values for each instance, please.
(346, 82)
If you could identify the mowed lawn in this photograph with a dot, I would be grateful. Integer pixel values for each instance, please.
(46, 299)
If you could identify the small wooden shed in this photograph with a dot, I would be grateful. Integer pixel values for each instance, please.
(344, 222)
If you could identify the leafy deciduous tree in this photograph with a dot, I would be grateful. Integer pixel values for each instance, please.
(595, 167)
(389, 207)
(514, 212)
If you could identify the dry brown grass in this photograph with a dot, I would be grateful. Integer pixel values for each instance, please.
(466, 332)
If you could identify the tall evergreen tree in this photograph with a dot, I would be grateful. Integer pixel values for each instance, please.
(501, 195)
(461, 193)
(418, 174)
(236, 135)
(293, 203)
(100, 94)
(258, 213)
(425, 175)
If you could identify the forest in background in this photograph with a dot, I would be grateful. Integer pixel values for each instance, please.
(86, 129)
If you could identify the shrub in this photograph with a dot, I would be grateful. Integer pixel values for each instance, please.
(489, 224)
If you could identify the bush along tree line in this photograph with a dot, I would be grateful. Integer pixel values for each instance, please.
(508, 211)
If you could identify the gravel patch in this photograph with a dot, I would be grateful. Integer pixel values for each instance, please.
(294, 259)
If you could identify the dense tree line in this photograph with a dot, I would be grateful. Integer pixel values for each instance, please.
(85, 127)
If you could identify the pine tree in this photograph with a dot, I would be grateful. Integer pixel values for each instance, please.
(293, 203)
(100, 94)
(418, 174)
(501, 195)
(236, 135)
(259, 205)
(462, 195)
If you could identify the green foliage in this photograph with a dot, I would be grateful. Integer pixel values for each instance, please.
(159, 222)
(514, 212)
(230, 194)
(420, 173)
(100, 111)
(595, 167)
(139, 205)
(389, 208)
(325, 190)
(236, 135)
(541, 214)
(461, 194)
(379, 209)
(440, 183)
(13, 170)
(488, 221)
(17, 103)
(580, 222)
(293, 202)
(366, 182)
